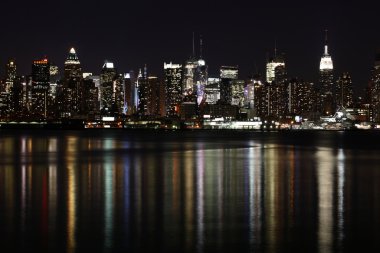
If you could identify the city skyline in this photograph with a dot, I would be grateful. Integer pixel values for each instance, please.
(233, 34)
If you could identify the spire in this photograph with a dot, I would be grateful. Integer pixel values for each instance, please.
(326, 44)
(201, 47)
(145, 71)
(275, 48)
(72, 51)
(193, 46)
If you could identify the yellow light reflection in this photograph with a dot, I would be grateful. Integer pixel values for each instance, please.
(325, 179)
(71, 212)
(255, 193)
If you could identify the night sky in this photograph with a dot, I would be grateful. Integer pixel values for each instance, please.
(132, 33)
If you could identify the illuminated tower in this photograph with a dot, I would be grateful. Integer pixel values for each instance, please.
(272, 64)
(326, 82)
(201, 77)
(73, 68)
(72, 85)
(11, 71)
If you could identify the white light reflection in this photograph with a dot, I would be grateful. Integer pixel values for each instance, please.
(341, 181)
(325, 176)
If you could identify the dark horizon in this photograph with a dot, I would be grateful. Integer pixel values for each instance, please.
(238, 33)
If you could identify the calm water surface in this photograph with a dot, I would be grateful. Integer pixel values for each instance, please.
(220, 191)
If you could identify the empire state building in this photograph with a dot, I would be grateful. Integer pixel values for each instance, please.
(326, 81)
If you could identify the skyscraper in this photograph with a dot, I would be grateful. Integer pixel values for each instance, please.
(173, 88)
(374, 89)
(107, 78)
(227, 75)
(10, 75)
(344, 92)
(326, 82)
(40, 87)
(72, 85)
(8, 89)
(272, 64)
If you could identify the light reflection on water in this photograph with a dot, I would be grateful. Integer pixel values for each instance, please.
(68, 192)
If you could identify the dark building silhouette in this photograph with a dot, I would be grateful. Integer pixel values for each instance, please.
(40, 87)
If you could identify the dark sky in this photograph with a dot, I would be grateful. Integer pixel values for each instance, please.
(132, 33)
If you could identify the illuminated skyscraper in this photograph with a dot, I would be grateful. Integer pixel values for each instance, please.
(149, 93)
(10, 76)
(107, 78)
(190, 68)
(7, 90)
(73, 67)
(72, 85)
(173, 88)
(212, 90)
(272, 64)
(326, 81)
(40, 87)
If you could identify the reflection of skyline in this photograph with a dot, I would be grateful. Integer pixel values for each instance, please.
(192, 196)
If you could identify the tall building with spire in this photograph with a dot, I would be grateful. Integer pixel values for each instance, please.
(326, 82)
(71, 92)
(189, 70)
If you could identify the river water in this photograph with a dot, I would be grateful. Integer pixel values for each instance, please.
(190, 191)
